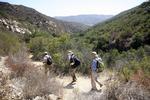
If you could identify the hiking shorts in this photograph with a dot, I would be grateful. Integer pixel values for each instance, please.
(72, 70)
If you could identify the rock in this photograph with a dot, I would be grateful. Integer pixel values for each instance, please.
(52, 97)
(39, 98)
(13, 25)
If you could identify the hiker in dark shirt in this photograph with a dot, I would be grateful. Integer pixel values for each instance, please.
(74, 63)
(47, 60)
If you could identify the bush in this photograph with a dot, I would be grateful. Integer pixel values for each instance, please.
(18, 62)
(39, 84)
(35, 82)
(127, 91)
(9, 43)
(133, 68)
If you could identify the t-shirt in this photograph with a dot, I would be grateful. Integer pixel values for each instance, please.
(46, 57)
(94, 65)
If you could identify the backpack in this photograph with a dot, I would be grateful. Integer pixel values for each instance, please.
(76, 62)
(100, 66)
(49, 61)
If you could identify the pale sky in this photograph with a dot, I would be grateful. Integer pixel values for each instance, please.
(76, 7)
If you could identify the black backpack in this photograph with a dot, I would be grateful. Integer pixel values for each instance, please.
(77, 61)
(49, 61)
(100, 66)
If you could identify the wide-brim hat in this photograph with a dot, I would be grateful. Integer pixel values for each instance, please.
(45, 52)
(94, 53)
(71, 52)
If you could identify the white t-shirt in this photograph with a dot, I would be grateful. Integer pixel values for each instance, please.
(46, 57)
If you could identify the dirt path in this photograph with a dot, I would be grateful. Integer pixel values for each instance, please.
(82, 86)
(70, 92)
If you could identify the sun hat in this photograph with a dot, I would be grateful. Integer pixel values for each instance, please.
(45, 52)
(70, 52)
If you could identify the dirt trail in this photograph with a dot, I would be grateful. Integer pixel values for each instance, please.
(70, 92)
(83, 84)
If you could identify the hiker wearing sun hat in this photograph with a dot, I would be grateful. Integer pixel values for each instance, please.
(74, 63)
(94, 73)
(47, 60)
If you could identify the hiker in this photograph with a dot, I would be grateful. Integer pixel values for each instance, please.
(94, 73)
(74, 63)
(48, 62)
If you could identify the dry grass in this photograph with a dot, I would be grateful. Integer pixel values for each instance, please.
(141, 79)
(39, 84)
(126, 91)
(36, 83)
(18, 63)
(88, 96)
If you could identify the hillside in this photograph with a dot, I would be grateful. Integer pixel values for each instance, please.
(21, 19)
(129, 29)
(85, 19)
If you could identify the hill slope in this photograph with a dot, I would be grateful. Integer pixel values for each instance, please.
(85, 19)
(21, 19)
(129, 29)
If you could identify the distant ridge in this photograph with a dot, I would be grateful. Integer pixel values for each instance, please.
(88, 19)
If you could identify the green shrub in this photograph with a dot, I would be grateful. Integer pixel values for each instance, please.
(9, 43)
(134, 66)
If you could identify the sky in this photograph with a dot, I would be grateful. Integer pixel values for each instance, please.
(76, 7)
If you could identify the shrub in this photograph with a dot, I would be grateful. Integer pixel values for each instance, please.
(18, 62)
(9, 43)
(125, 91)
(35, 82)
(39, 84)
(133, 68)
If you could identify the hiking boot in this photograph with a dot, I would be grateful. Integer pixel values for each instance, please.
(100, 85)
(95, 90)
(99, 90)
(73, 82)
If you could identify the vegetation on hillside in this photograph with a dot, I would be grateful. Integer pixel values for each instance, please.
(129, 29)
(28, 17)
(9, 43)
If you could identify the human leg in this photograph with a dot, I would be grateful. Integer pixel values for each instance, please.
(93, 83)
(96, 79)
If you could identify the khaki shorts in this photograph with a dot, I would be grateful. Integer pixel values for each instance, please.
(72, 70)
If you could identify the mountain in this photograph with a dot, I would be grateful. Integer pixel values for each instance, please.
(129, 29)
(21, 19)
(85, 19)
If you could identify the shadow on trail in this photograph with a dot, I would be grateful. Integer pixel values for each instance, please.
(69, 86)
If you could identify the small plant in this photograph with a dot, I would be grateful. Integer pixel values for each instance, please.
(18, 62)
(9, 43)
(39, 84)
